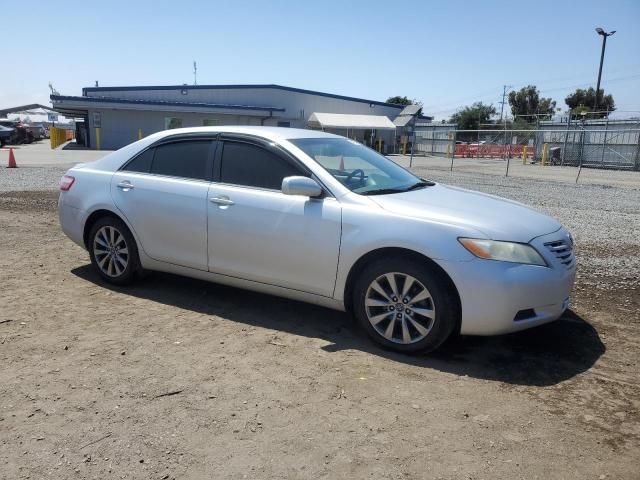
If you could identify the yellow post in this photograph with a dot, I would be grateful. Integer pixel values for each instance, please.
(139, 134)
(448, 150)
(545, 154)
(379, 142)
(524, 154)
(97, 138)
(57, 136)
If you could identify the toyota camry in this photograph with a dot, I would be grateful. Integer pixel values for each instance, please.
(322, 219)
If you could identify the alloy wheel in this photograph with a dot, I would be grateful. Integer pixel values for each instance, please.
(400, 308)
(111, 251)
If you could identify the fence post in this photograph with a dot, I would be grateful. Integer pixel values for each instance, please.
(453, 147)
(582, 135)
(604, 142)
(413, 142)
(508, 156)
(433, 140)
(566, 138)
(637, 160)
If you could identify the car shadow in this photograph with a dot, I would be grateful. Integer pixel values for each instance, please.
(541, 356)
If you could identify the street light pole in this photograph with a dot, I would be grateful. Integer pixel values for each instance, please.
(604, 45)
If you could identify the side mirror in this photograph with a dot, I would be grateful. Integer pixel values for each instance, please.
(304, 186)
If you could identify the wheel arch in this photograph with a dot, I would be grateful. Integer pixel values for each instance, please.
(396, 252)
(94, 217)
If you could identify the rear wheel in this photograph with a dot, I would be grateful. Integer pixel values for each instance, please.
(404, 305)
(113, 251)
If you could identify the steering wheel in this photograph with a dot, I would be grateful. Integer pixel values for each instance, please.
(351, 176)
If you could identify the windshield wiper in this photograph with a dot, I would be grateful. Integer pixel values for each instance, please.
(382, 191)
(385, 191)
(421, 184)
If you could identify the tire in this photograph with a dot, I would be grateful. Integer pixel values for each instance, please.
(418, 319)
(115, 257)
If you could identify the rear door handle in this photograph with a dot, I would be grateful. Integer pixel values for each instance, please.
(221, 200)
(125, 185)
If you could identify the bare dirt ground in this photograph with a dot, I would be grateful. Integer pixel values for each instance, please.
(177, 378)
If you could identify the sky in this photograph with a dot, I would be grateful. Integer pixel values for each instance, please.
(446, 54)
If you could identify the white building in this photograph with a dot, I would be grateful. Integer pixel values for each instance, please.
(117, 116)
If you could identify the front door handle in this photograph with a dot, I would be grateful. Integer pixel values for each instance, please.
(221, 201)
(125, 185)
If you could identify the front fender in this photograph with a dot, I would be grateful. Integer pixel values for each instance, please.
(365, 230)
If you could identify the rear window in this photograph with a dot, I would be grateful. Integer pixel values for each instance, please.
(182, 159)
(141, 163)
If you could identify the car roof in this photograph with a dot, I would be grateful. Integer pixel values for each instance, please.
(114, 160)
(270, 133)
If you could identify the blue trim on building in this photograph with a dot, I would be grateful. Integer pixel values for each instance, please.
(85, 90)
(161, 103)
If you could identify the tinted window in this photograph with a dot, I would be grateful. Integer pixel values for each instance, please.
(244, 164)
(182, 159)
(142, 163)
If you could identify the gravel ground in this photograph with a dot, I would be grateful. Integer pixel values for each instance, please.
(30, 178)
(175, 378)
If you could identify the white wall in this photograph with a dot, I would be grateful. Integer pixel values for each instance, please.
(120, 127)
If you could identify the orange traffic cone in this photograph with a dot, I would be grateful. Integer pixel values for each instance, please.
(12, 160)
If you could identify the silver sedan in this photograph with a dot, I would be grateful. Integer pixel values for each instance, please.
(322, 219)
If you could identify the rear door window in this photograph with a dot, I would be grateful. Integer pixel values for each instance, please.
(188, 159)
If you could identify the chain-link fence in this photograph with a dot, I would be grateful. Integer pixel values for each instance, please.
(576, 144)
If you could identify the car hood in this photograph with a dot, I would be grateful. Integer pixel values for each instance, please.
(495, 217)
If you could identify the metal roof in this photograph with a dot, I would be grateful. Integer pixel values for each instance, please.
(402, 120)
(342, 120)
(236, 87)
(410, 110)
(23, 108)
(128, 101)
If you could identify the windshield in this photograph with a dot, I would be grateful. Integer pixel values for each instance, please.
(357, 167)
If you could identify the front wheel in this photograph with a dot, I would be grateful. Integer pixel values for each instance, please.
(113, 251)
(404, 305)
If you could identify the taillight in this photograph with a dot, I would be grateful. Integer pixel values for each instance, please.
(66, 182)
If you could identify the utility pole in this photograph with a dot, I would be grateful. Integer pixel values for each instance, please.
(195, 73)
(604, 45)
(504, 94)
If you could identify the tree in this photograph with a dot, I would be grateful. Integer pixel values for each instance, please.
(398, 100)
(527, 103)
(583, 100)
(470, 117)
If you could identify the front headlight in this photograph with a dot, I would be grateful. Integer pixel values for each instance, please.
(503, 251)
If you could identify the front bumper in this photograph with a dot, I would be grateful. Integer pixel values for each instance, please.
(492, 293)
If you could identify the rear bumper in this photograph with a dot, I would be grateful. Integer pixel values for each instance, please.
(492, 294)
(71, 221)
